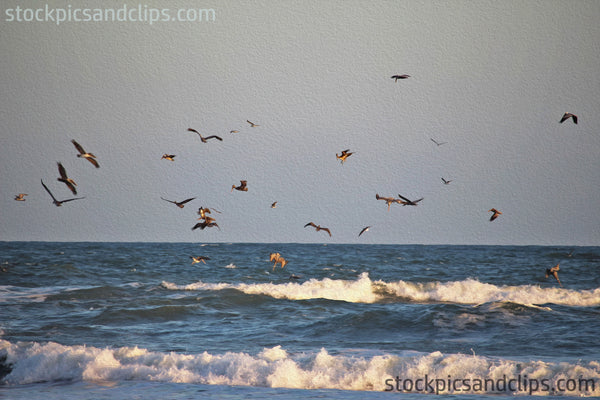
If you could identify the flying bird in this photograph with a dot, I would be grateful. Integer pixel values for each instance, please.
(234, 131)
(202, 211)
(365, 229)
(554, 272)
(407, 202)
(199, 259)
(64, 178)
(21, 197)
(204, 139)
(205, 224)
(568, 115)
(495, 214)
(278, 259)
(318, 227)
(342, 157)
(388, 200)
(170, 157)
(446, 182)
(438, 143)
(396, 77)
(84, 154)
(179, 204)
(242, 187)
(58, 203)
(274, 204)
(252, 124)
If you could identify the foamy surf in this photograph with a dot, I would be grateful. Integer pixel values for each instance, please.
(28, 363)
(364, 290)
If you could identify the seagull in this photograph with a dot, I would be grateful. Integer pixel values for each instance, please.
(205, 224)
(568, 115)
(438, 143)
(241, 188)
(274, 204)
(495, 214)
(84, 154)
(388, 200)
(205, 138)
(446, 182)
(252, 124)
(203, 211)
(56, 202)
(345, 154)
(21, 197)
(396, 77)
(318, 227)
(365, 229)
(199, 259)
(64, 178)
(278, 259)
(554, 272)
(407, 202)
(170, 157)
(179, 204)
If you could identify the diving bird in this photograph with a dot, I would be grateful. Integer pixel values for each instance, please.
(388, 200)
(179, 204)
(252, 124)
(199, 259)
(342, 157)
(242, 187)
(204, 139)
(495, 213)
(205, 224)
(396, 77)
(407, 202)
(21, 197)
(170, 157)
(554, 272)
(84, 154)
(318, 227)
(438, 143)
(58, 203)
(446, 182)
(278, 260)
(568, 115)
(64, 178)
(365, 229)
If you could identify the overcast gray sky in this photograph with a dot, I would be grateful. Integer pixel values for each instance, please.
(492, 79)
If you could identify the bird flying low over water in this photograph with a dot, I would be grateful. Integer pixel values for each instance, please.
(204, 139)
(568, 115)
(58, 203)
(170, 157)
(179, 204)
(205, 224)
(388, 200)
(407, 202)
(495, 213)
(318, 227)
(252, 124)
(438, 143)
(403, 76)
(365, 229)
(554, 272)
(242, 187)
(21, 197)
(278, 260)
(64, 178)
(199, 259)
(84, 154)
(342, 157)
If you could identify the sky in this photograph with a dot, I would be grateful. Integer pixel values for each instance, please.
(492, 79)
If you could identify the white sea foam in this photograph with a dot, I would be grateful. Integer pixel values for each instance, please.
(275, 367)
(364, 290)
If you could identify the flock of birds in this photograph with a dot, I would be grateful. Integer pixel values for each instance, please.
(206, 221)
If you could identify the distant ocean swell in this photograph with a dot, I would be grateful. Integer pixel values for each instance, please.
(364, 290)
(30, 362)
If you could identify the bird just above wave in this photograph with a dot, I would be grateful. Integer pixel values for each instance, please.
(278, 259)
(554, 273)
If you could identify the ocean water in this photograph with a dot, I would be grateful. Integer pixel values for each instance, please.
(138, 320)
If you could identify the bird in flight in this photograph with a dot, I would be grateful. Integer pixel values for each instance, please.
(242, 187)
(388, 200)
(21, 197)
(396, 77)
(199, 259)
(64, 178)
(407, 202)
(554, 272)
(205, 224)
(318, 227)
(495, 214)
(568, 115)
(252, 124)
(234, 131)
(438, 143)
(179, 204)
(342, 157)
(170, 157)
(446, 182)
(204, 139)
(84, 154)
(365, 229)
(58, 203)
(203, 211)
(274, 204)
(278, 259)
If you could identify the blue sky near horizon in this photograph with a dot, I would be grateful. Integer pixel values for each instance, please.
(492, 79)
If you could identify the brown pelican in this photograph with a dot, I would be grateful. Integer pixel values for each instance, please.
(179, 204)
(396, 77)
(388, 200)
(274, 204)
(568, 115)
(84, 154)
(318, 227)
(252, 124)
(64, 178)
(365, 229)
(21, 197)
(205, 224)
(438, 143)
(170, 157)
(495, 214)
(56, 202)
(407, 202)
(241, 188)
(202, 211)
(278, 259)
(234, 131)
(199, 259)
(204, 138)
(345, 154)
(554, 272)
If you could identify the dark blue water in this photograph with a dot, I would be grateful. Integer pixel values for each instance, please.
(116, 320)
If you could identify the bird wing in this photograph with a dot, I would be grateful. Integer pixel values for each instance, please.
(78, 147)
(574, 118)
(48, 190)
(195, 131)
(213, 136)
(326, 230)
(310, 224)
(364, 230)
(416, 201)
(187, 200)
(170, 201)
(75, 198)
(62, 171)
(404, 198)
(565, 117)
(93, 161)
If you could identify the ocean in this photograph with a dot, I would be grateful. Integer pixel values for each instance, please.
(139, 320)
